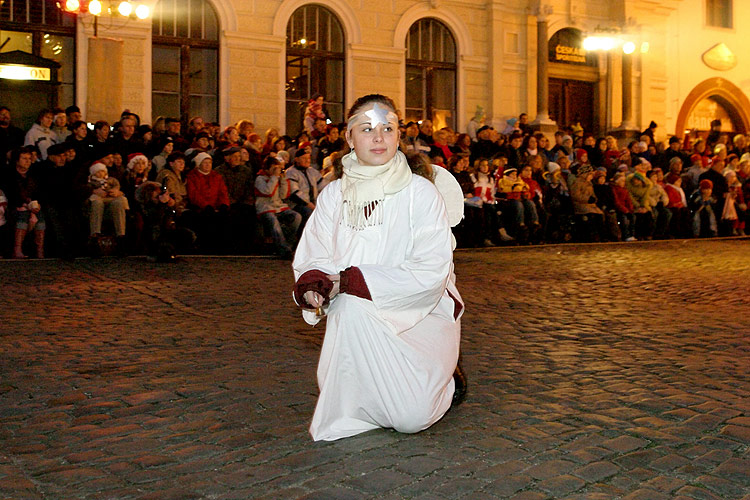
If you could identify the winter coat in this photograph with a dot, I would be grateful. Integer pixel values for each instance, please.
(270, 191)
(206, 190)
(582, 192)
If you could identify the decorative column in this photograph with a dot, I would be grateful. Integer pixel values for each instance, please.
(627, 92)
(542, 121)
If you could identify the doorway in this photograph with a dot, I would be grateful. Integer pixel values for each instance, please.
(572, 101)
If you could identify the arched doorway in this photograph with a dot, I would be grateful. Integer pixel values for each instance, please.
(573, 78)
(715, 98)
(315, 44)
(431, 73)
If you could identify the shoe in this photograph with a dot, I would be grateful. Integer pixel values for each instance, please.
(460, 393)
(504, 236)
(630, 238)
(488, 243)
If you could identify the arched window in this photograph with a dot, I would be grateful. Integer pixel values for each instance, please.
(42, 29)
(314, 64)
(431, 73)
(185, 64)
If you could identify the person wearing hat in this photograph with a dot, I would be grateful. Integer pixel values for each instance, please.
(314, 111)
(240, 183)
(106, 199)
(584, 204)
(278, 219)
(650, 130)
(411, 142)
(475, 123)
(639, 187)
(304, 185)
(703, 208)
(719, 190)
(56, 177)
(208, 199)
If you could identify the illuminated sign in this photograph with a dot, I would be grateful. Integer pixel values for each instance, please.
(19, 72)
(570, 54)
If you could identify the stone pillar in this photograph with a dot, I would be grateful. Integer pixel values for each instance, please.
(627, 92)
(542, 121)
(627, 129)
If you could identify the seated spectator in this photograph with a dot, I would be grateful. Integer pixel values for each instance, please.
(79, 140)
(703, 210)
(23, 194)
(659, 201)
(536, 196)
(254, 150)
(240, 182)
(640, 188)
(162, 234)
(518, 202)
(209, 202)
(136, 173)
(584, 204)
(271, 135)
(4, 226)
(57, 177)
(735, 210)
(440, 145)
(331, 143)
(623, 205)
(485, 188)
(105, 199)
(279, 221)
(125, 141)
(305, 184)
(60, 125)
(11, 137)
(558, 205)
(172, 178)
(173, 127)
(40, 135)
(677, 205)
(164, 148)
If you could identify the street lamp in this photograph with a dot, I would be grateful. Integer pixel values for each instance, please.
(125, 8)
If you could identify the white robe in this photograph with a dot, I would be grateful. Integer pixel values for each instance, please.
(388, 362)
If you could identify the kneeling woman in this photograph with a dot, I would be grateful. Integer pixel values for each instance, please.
(376, 258)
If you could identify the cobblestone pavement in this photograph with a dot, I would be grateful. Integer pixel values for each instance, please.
(596, 372)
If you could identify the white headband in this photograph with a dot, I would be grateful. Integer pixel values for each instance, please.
(374, 116)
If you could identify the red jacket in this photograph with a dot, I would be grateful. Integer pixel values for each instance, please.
(623, 202)
(206, 190)
(675, 199)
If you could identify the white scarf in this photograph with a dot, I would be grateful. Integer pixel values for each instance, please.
(365, 187)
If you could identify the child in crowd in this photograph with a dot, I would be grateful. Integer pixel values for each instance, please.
(703, 206)
(677, 206)
(623, 205)
(734, 213)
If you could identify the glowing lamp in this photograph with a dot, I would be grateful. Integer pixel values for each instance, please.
(628, 47)
(72, 5)
(125, 9)
(95, 7)
(142, 11)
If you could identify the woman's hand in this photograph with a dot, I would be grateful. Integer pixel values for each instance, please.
(314, 299)
(336, 284)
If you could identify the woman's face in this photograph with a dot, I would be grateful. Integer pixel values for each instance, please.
(466, 141)
(373, 134)
(168, 148)
(46, 120)
(81, 131)
(60, 120)
(206, 165)
(611, 143)
(526, 172)
(233, 135)
(140, 166)
(602, 145)
(279, 145)
(543, 142)
(178, 165)
(484, 166)
(102, 133)
(532, 142)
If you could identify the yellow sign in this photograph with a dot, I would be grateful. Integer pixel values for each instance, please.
(570, 54)
(19, 72)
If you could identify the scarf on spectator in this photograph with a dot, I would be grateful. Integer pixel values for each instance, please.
(364, 187)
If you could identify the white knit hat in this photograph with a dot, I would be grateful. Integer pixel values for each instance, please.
(97, 167)
(200, 157)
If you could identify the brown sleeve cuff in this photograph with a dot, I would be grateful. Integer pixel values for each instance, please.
(313, 280)
(353, 283)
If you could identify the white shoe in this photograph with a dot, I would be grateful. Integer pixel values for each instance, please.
(631, 238)
(504, 235)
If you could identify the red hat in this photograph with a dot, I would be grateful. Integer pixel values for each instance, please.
(706, 184)
(580, 153)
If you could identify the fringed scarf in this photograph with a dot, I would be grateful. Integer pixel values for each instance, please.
(364, 188)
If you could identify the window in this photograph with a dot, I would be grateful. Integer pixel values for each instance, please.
(719, 13)
(42, 29)
(431, 74)
(314, 64)
(185, 64)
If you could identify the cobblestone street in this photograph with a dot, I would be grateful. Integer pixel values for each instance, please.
(595, 372)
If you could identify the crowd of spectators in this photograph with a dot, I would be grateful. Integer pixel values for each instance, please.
(133, 188)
